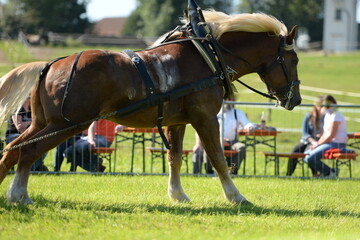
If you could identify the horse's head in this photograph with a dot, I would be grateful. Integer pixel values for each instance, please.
(274, 58)
(280, 73)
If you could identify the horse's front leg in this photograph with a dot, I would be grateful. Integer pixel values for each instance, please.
(208, 131)
(175, 135)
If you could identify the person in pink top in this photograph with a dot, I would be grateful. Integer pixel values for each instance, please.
(334, 136)
(101, 133)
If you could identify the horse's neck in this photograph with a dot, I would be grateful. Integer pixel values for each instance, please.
(254, 48)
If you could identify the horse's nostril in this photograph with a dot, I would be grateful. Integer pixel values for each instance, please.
(298, 102)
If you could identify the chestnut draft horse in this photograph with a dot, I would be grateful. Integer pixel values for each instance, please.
(103, 82)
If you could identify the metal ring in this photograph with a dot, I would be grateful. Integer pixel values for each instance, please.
(136, 60)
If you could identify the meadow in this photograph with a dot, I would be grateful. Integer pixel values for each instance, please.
(137, 207)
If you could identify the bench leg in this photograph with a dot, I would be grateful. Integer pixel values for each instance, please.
(350, 172)
(109, 163)
(346, 162)
(302, 167)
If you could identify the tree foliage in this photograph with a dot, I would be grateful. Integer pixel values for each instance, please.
(308, 14)
(155, 17)
(33, 16)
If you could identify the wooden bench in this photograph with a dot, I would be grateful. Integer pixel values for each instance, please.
(104, 153)
(228, 153)
(340, 159)
(159, 153)
(275, 157)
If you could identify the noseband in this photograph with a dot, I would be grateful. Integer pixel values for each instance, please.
(285, 92)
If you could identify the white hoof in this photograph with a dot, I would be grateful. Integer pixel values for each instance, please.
(237, 199)
(18, 195)
(178, 196)
(23, 199)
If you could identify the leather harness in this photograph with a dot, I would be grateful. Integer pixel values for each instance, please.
(208, 47)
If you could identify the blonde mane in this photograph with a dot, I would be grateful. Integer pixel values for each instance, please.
(221, 23)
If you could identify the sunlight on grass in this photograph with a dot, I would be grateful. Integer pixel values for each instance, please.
(108, 207)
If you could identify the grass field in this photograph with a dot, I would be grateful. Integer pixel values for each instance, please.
(137, 207)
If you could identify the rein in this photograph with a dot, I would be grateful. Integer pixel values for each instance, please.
(257, 91)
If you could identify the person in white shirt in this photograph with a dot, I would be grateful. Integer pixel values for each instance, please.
(233, 121)
(334, 136)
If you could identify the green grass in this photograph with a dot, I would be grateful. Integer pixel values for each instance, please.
(137, 207)
(15, 52)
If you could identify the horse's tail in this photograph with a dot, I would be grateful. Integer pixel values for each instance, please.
(16, 86)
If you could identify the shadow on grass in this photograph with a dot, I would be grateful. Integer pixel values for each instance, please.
(175, 209)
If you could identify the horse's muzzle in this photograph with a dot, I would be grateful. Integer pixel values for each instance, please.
(289, 104)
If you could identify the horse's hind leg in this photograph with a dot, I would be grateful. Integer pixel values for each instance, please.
(208, 131)
(10, 158)
(28, 154)
(175, 136)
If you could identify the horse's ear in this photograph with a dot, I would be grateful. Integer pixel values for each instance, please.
(291, 35)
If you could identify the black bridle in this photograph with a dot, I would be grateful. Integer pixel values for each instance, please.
(285, 92)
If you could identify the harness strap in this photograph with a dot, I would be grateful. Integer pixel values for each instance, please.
(140, 66)
(47, 67)
(150, 91)
(205, 55)
(68, 84)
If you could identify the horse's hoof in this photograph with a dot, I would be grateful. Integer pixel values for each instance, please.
(183, 199)
(179, 197)
(246, 203)
(23, 200)
(26, 201)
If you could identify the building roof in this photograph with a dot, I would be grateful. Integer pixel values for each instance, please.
(109, 26)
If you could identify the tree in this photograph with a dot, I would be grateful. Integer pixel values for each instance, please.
(308, 14)
(33, 16)
(155, 17)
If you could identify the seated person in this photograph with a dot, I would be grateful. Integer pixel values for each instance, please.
(334, 136)
(234, 121)
(60, 150)
(312, 128)
(17, 124)
(101, 133)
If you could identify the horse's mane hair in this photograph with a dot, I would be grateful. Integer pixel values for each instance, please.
(221, 23)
